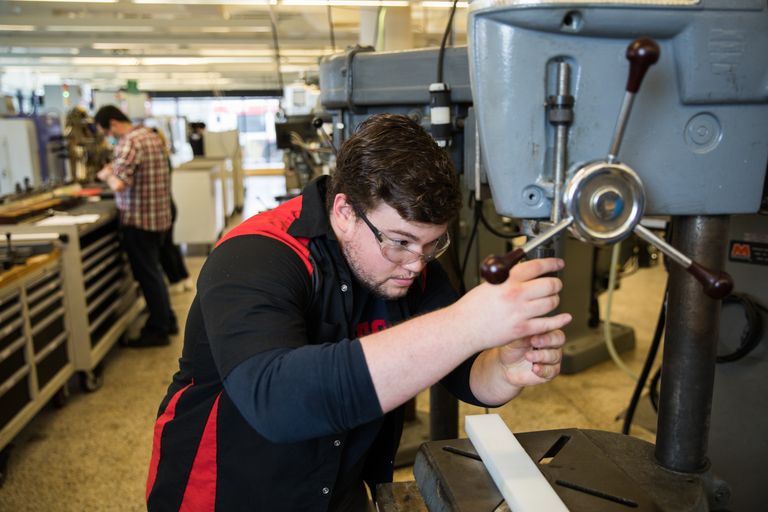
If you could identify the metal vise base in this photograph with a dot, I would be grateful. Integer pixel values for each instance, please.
(591, 471)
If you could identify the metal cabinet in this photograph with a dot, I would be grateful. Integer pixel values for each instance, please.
(35, 349)
(101, 295)
(200, 194)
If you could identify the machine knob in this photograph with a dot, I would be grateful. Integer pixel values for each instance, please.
(717, 285)
(495, 269)
(642, 54)
(317, 123)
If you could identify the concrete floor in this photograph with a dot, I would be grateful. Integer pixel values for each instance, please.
(93, 453)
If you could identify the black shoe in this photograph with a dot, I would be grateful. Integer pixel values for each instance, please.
(147, 340)
(174, 330)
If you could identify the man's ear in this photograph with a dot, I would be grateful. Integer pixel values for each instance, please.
(342, 212)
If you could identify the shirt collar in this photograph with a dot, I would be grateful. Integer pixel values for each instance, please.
(313, 219)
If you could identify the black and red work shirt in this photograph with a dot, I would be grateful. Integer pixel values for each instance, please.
(273, 407)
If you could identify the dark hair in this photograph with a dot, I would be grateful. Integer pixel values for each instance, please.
(107, 113)
(392, 159)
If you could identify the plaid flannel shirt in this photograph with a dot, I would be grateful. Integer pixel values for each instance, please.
(140, 162)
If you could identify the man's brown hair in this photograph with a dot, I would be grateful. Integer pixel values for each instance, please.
(392, 159)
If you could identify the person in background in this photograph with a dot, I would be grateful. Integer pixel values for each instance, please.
(140, 178)
(316, 321)
(171, 258)
(196, 138)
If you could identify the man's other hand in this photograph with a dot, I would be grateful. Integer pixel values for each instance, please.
(533, 360)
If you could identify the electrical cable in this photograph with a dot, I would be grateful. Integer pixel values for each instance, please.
(330, 29)
(649, 359)
(381, 15)
(471, 240)
(441, 54)
(273, 23)
(753, 330)
(608, 335)
(653, 390)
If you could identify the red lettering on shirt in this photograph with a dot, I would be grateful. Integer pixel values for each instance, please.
(369, 327)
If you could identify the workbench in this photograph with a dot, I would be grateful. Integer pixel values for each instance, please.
(101, 295)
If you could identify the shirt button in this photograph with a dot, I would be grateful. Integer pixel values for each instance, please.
(344, 287)
(336, 443)
(326, 490)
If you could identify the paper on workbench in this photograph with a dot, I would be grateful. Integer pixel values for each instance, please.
(68, 220)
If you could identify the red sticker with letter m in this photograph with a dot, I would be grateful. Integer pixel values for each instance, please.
(741, 251)
(749, 252)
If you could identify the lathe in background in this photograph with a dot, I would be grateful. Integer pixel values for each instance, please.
(306, 154)
(33, 154)
(88, 150)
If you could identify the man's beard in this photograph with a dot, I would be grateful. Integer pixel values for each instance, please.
(350, 252)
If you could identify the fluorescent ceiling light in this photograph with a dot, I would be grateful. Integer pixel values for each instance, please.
(293, 68)
(134, 46)
(17, 28)
(39, 50)
(74, 1)
(208, 2)
(224, 30)
(196, 75)
(95, 61)
(347, 3)
(443, 5)
(154, 61)
(223, 52)
(192, 61)
(92, 28)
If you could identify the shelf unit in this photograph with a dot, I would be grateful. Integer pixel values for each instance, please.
(101, 295)
(35, 343)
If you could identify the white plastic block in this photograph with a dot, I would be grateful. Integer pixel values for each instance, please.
(518, 478)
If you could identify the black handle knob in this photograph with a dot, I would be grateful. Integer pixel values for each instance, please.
(717, 285)
(642, 53)
(495, 269)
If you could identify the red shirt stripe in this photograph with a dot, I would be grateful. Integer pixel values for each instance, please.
(168, 415)
(200, 494)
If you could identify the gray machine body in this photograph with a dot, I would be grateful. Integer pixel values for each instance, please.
(698, 134)
(738, 446)
(356, 85)
(387, 78)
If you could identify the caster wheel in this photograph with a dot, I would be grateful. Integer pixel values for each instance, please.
(92, 380)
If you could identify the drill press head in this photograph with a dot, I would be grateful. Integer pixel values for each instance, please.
(698, 134)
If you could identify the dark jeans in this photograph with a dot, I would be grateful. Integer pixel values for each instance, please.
(170, 255)
(143, 250)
